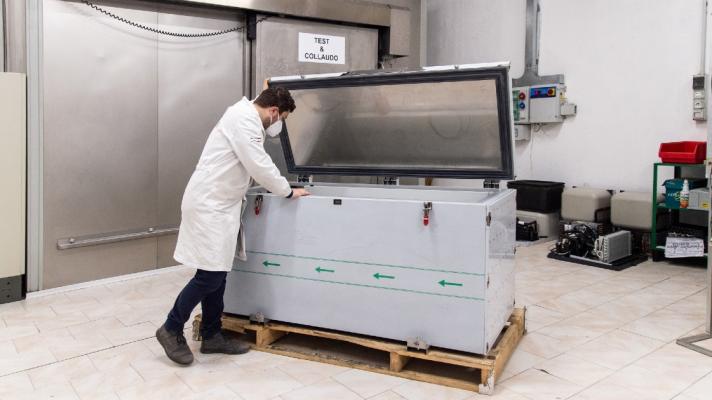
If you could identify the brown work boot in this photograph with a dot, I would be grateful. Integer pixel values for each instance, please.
(175, 346)
(223, 345)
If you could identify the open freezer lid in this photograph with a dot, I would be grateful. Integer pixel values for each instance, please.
(452, 121)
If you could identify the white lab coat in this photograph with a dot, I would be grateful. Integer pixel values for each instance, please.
(212, 203)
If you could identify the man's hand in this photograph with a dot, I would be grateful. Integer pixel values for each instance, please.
(299, 192)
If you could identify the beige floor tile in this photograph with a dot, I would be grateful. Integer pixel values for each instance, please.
(168, 388)
(61, 372)
(96, 327)
(677, 361)
(75, 304)
(655, 297)
(28, 315)
(14, 332)
(571, 304)
(216, 393)
(61, 321)
(62, 344)
(575, 370)
(648, 384)
(674, 287)
(128, 334)
(11, 308)
(500, 393)
(700, 390)
(328, 389)
(52, 392)
(46, 340)
(309, 372)
(665, 325)
(106, 382)
(121, 356)
(136, 316)
(683, 397)
(607, 391)
(367, 384)
(100, 396)
(543, 315)
(538, 385)
(16, 383)
(521, 361)
(201, 377)
(259, 360)
(159, 367)
(693, 306)
(11, 361)
(107, 311)
(389, 395)
(616, 349)
(620, 313)
(414, 390)
(578, 330)
(80, 344)
(542, 345)
(263, 384)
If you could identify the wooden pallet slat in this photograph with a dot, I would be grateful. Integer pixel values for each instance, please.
(450, 368)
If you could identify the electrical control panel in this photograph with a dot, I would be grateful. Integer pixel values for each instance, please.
(545, 103)
(520, 106)
(699, 98)
(541, 104)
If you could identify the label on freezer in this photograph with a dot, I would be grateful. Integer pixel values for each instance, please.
(324, 49)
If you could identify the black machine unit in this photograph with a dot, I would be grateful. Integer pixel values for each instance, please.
(527, 231)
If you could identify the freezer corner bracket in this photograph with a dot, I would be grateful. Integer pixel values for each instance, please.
(417, 344)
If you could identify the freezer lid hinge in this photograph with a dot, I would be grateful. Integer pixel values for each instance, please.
(491, 184)
(305, 178)
(391, 180)
(488, 219)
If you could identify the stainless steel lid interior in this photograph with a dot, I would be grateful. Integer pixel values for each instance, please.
(441, 122)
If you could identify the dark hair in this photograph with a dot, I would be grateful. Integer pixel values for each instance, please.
(276, 97)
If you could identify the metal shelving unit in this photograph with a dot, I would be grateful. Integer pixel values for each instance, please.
(657, 249)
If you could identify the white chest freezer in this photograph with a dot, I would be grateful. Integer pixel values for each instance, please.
(426, 265)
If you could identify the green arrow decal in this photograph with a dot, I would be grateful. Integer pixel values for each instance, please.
(268, 264)
(320, 270)
(444, 283)
(380, 276)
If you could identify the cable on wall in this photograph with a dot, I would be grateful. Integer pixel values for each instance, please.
(163, 32)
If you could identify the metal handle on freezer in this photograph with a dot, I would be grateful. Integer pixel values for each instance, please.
(113, 237)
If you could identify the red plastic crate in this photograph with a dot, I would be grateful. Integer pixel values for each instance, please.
(683, 152)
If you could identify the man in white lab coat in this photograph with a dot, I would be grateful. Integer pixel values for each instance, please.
(211, 209)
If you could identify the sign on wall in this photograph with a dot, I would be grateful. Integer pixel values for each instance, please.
(323, 49)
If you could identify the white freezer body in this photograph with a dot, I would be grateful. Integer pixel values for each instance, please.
(359, 259)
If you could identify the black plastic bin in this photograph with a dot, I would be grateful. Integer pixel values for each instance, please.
(538, 196)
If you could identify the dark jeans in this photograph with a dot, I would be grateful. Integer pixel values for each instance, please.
(206, 288)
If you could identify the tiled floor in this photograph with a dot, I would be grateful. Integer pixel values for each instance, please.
(593, 335)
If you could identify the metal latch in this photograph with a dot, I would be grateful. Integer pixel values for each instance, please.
(427, 207)
(417, 344)
(258, 204)
(258, 318)
(305, 179)
(488, 219)
(391, 180)
(491, 184)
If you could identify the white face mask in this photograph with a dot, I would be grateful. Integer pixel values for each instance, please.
(274, 128)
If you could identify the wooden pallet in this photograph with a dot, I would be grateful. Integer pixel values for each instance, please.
(444, 367)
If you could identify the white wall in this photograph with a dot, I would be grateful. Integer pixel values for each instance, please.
(628, 66)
